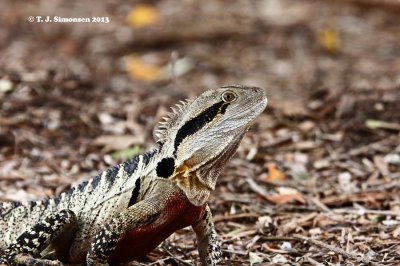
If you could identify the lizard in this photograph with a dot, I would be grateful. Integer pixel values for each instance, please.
(125, 212)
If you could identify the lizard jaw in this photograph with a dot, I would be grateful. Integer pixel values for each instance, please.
(209, 172)
(199, 182)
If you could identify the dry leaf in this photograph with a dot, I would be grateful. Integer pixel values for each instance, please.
(274, 174)
(396, 232)
(279, 259)
(283, 199)
(254, 258)
(141, 16)
(329, 39)
(179, 67)
(140, 70)
(286, 194)
(381, 164)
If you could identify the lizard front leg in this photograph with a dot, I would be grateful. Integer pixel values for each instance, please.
(31, 242)
(105, 241)
(207, 243)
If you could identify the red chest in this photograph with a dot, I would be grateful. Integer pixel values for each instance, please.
(177, 213)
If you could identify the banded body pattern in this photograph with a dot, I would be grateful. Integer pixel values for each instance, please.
(84, 200)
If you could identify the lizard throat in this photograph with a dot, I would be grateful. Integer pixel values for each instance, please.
(196, 190)
(198, 182)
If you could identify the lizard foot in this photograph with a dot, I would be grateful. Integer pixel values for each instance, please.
(23, 259)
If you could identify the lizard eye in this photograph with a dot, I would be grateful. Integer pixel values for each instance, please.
(229, 96)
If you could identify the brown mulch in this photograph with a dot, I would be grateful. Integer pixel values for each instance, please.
(316, 179)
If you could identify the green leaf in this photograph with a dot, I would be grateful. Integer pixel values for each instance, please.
(126, 153)
(378, 218)
(235, 232)
(375, 124)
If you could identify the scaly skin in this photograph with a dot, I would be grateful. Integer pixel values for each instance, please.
(126, 211)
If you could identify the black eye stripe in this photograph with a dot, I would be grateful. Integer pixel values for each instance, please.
(135, 193)
(223, 108)
(198, 122)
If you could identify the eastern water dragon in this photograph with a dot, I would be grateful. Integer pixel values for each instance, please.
(128, 210)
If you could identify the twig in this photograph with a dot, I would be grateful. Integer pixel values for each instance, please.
(313, 262)
(356, 197)
(335, 250)
(157, 261)
(11, 178)
(175, 258)
(235, 216)
(179, 248)
(256, 187)
(277, 238)
(319, 204)
(385, 187)
(242, 253)
(364, 211)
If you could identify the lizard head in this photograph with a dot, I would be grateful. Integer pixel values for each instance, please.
(203, 133)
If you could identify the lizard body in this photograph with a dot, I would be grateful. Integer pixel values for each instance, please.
(126, 211)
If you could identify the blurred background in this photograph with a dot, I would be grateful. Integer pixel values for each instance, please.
(76, 98)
